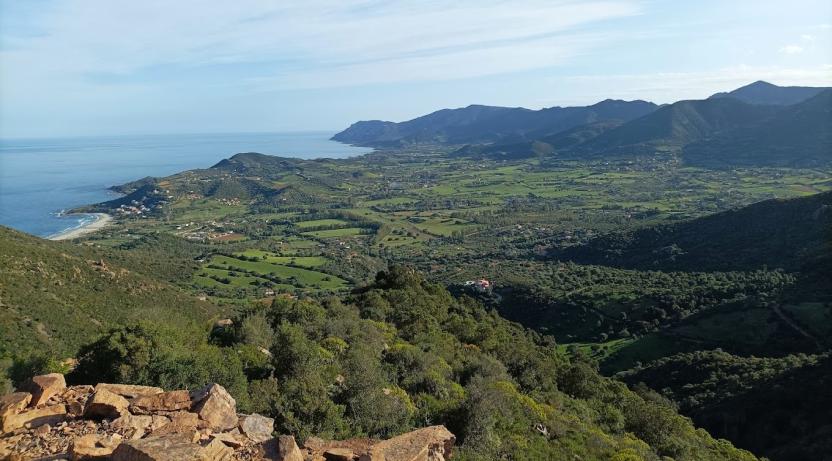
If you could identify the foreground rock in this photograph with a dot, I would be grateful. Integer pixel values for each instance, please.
(171, 447)
(129, 391)
(105, 404)
(166, 401)
(44, 387)
(429, 444)
(94, 447)
(256, 427)
(215, 406)
(287, 449)
(35, 418)
(141, 423)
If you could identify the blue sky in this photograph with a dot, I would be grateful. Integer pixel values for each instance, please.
(90, 67)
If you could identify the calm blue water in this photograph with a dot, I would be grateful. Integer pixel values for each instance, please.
(41, 177)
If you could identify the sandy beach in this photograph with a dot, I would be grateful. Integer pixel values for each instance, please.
(101, 221)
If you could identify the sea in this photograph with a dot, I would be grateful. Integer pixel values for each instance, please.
(42, 178)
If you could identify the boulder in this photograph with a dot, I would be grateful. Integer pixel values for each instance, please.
(94, 447)
(105, 404)
(432, 443)
(170, 447)
(166, 401)
(44, 387)
(129, 391)
(52, 415)
(287, 449)
(256, 427)
(14, 403)
(216, 407)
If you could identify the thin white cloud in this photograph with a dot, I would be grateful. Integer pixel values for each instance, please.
(791, 49)
(309, 42)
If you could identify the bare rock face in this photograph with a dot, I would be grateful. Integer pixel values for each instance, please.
(94, 447)
(52, 415)
(105, 404)
(166, 401)
(129, 391)
(216, 407)
(256, 427)
(44, 387)
(428, 444)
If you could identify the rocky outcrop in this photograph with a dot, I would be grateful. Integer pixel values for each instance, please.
(428, 444)
(140, 423)
(215, 406)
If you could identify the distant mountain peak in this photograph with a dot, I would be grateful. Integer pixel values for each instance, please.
(762, 92)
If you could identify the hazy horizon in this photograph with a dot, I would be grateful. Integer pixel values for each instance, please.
(96, 68)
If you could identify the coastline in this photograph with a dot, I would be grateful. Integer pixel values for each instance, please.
(102, 220)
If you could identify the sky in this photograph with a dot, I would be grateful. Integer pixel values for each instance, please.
(110, 67)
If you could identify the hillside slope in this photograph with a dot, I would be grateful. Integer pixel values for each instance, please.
(773, 233)
(798, 135)
(55, 297)
(676, 125)
(779, 408)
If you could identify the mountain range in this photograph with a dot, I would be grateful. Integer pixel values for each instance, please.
(758, 124)
(477, 124)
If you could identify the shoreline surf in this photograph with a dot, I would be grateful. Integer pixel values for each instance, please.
(101, 221)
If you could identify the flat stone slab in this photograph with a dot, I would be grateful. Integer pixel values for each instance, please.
(129, 391)
(172, 447)
(166, 401)
(51, 415)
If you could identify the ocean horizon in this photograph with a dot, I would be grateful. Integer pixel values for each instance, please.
(41, 178)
